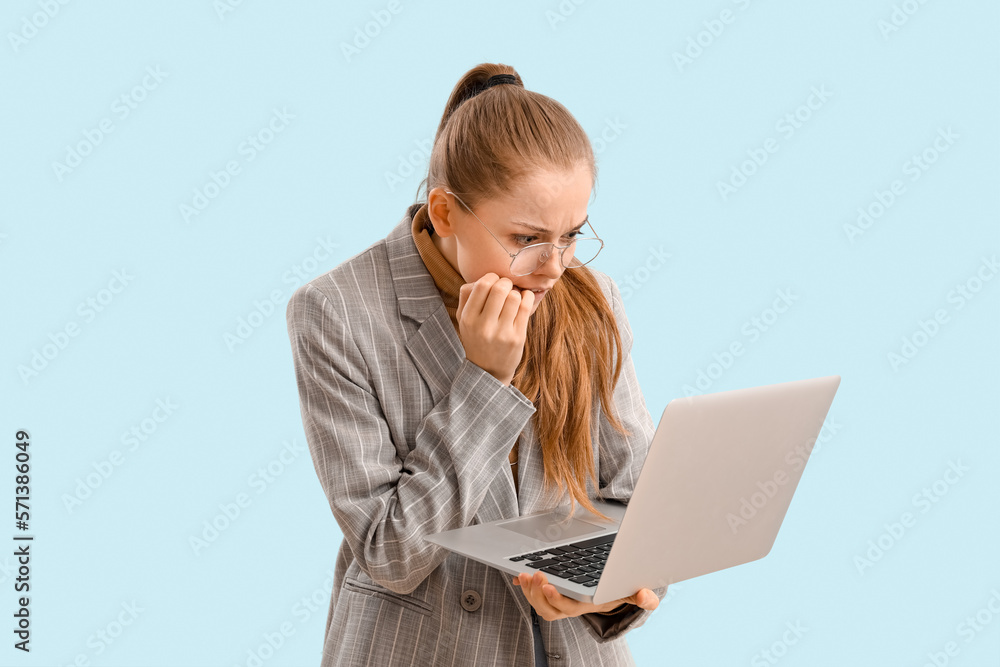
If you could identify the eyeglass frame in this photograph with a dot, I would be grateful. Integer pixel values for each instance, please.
(561, 249)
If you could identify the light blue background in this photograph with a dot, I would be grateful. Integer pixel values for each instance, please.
(324, 176)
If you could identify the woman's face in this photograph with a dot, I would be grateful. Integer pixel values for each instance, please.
(548, 207)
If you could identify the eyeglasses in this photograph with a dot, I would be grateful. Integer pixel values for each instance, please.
(577, 253)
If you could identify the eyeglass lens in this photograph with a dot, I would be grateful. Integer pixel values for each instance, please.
(581, 252)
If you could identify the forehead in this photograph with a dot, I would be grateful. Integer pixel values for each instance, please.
(548, 202)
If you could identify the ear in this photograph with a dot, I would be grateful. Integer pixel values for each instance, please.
(441, 212)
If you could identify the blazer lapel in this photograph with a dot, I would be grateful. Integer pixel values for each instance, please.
(437, 352)
(435, 347)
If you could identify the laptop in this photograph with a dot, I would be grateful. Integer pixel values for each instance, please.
(715, 485)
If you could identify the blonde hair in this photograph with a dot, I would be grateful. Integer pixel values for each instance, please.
(487, 143)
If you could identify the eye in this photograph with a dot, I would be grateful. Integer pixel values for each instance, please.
(525, 240)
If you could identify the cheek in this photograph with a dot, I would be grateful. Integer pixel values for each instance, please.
(477, 262)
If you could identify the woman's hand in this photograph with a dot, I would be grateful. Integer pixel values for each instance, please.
(493, 321)
(552, 605)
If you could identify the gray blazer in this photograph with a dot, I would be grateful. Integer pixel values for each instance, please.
(408, 437)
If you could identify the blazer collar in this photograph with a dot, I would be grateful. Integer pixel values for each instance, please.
(434, 345)
(418, 295)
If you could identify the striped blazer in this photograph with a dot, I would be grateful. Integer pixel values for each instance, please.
(408, 437)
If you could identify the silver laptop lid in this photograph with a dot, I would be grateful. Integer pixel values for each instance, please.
(716, 483)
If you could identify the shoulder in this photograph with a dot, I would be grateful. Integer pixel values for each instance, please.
(347, 288)
(610, 289)
(614, 296)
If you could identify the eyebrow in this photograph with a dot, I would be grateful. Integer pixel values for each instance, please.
(545, 231)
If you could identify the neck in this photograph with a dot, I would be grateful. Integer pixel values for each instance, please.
(446, 246)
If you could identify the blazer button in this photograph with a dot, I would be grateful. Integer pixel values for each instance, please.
(471, 600)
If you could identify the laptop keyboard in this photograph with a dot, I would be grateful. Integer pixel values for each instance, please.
(579, 562)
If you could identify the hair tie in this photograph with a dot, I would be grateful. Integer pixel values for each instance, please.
(497, 79)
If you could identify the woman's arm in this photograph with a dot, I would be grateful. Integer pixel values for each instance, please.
(385, 505)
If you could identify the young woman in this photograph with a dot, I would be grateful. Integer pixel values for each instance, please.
(469, 368)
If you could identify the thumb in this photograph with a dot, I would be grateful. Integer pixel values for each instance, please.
(647, 599)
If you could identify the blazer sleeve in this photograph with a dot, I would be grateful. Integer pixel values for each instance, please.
(621, 460)
(385, 505)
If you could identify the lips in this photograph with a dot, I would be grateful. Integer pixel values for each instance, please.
(539, 293)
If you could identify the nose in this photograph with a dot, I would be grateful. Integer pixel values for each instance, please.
(552, 266)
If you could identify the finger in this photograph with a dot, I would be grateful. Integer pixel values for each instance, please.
(463, 298)
(533, 591)
(650, 600)
(644, 598)
(524, 312)
(478, 293)
(511, 307)
(496, 298)
(563, 605)
(546, 602)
